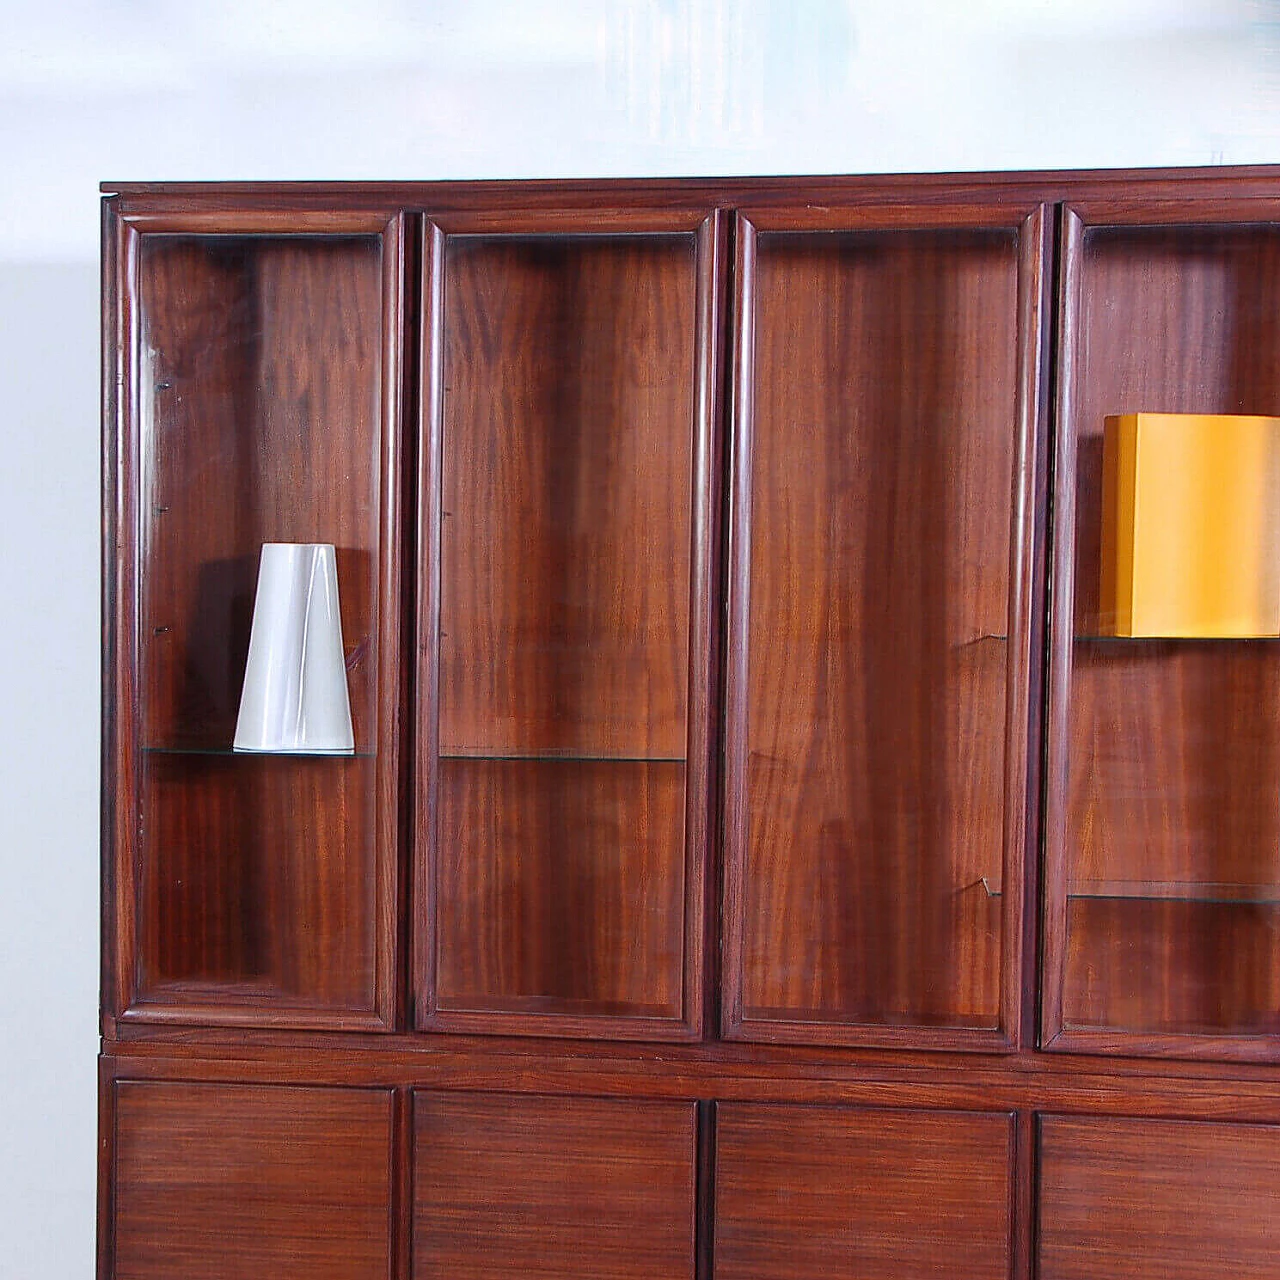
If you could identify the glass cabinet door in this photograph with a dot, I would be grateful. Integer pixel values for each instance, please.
(879, 695)
(1162, 921)
(260, 404)
(567, 538)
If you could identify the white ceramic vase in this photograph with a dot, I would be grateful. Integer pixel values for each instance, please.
(295, 698)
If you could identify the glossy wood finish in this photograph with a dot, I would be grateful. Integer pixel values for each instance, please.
(567, 554)
(867, 1195)
(887, 420)
(261, 404)
(1163, 830)
(1158, 1200)
(228, 1182)
(543, 866)
(559, 1187)
(610, 1142)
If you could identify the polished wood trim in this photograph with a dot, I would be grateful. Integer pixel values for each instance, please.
(121, 895)
(1174, 185)
(704, 1244)
(1023, 701)
(427, 655)
(105, 1234)
(965, 1081)
(1024, 706)
(1150, 204)
(113, 484)
(1022, 1188)
(262, 222)
(389, 840)
(1242, 1048)
(400, 1204)
(568, 219)
(701, 931)
(1061, 629)
(738, 620)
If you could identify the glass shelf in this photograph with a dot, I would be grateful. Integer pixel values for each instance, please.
(250, 755)
(565, 756)
(991, 637)
(1202, 891)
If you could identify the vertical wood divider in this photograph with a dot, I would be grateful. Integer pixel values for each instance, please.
(401, 1184)
(705, 1201)
(1023, 1197)
(426, 657)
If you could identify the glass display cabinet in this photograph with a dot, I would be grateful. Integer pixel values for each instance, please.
(264, 406)
(1162, 913)
(778, 835)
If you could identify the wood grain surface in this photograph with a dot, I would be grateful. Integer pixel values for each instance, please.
(553, 1187)
(261, 392)
(230, 1182)
(567, 490)
(561, 887)
(862, 1195)
(1158, 1200)
(256, 890)
(884, 431)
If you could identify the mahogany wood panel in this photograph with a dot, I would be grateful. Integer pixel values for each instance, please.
(1158, 1200)
(567, 487)
(261, 404)
(819, 1191)
(910, 1080)
(254, 893)
(1173, 967)
(229, 1182)
(507, 1186)
(887, 414)
(567, 562)
(560, 887)
(1164, 754)
(260, 371)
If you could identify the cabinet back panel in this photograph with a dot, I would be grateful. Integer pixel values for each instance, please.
(261, 421)
(253, 888)
(260, 401)
(861, 1195)
(883, 445)
(1174, 746)
(241, 1182)
(566, 494)
(527, 1186)
(561, 887)
(1158, 1200)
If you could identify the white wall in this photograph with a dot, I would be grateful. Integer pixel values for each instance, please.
(167, 89)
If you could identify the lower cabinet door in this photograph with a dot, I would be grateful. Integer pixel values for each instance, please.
(250, 1182)
(1158, 1200)
(845, 1194)
(511, 1186)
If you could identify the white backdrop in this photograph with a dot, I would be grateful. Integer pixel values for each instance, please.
(168, 89)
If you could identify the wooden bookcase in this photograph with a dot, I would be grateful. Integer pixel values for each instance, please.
(755, 860)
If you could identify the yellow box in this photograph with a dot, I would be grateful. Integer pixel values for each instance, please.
(1190, 525)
